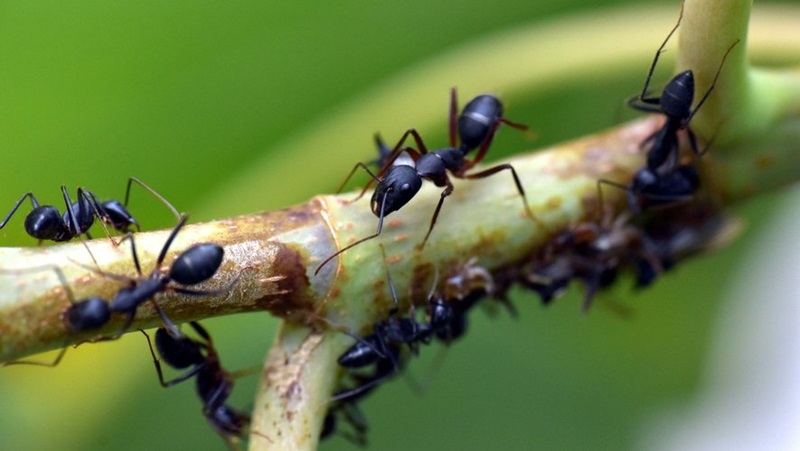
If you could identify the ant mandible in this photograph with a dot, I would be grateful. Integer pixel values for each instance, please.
(398, 184)
(213, 383)
(46, 222)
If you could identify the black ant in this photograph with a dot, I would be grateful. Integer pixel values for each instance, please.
(675, 102)
(213, 383)
(46, 222)
(382, 347)
(663, 180)
(193, 266)
(398, 184)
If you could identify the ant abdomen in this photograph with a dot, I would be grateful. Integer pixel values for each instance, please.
(197, 264)
(45, 222)
(88, 314)
(678, 95)
(477, 119)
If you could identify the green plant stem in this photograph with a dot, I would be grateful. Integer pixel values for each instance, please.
(274, 254)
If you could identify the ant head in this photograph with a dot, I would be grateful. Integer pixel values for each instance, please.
(477, 119)
(44, 222)
(179, 352)
(197, 264)
(89, 314)
(678, 95)
(399, 186)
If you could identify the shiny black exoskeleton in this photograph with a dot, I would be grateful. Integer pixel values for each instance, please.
(46, 222)
(651, 188)
(213, 383)
(195, 265)
(675, 102)
(398, 184)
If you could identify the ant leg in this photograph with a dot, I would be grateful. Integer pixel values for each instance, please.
(153, 192)
(201, 331)
(357, 392)
(392, 289)
(710, 88)
(487, 140)
(52, 364)
(453, 116)
(352, 245)
(192, 292)
(501, 167)
(167, 244)
(653, 100)
(157, 363)
(97, 210)
(71, 214)
(16, 206)
(600, 198)
(383, 150)
(368, 185)
(421, 148)
(170, 327)
(447, 191)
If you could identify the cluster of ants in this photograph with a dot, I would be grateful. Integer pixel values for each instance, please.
(663, 224)
(199, 263)
(647, 240)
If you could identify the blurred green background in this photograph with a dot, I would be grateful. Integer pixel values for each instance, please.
(211, 103)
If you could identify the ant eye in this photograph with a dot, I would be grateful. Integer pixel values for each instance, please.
(405, 187)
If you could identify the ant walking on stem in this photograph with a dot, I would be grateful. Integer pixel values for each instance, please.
(46, 222)
(193, 266)
(398, 184)
(664, 180)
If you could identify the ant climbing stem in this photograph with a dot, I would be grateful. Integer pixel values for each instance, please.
(398, 184)
(675, 102)
(213, 383)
